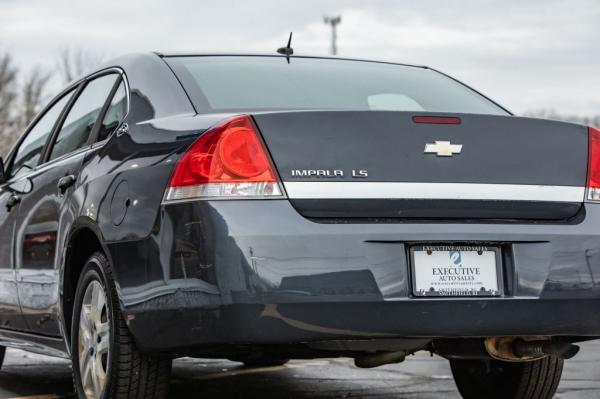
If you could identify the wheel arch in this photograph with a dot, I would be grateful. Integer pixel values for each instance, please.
(84, 239)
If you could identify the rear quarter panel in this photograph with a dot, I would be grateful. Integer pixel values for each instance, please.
(122, 180)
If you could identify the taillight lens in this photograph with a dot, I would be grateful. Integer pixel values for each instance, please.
(593, 180)
(227, 161)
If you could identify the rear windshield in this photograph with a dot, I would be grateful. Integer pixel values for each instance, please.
(264, 83)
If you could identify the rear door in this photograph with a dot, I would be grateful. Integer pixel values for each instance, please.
(44, 216)
(10, 312)
(23, 161)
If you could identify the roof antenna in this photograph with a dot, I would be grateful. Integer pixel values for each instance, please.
(288, 50)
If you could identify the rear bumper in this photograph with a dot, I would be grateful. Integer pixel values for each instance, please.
(258, 272)
(183, 329)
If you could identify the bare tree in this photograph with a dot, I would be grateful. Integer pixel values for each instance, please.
(552, 114)
(33, 95)
(73, 63)
(20, 99)
(8, 96)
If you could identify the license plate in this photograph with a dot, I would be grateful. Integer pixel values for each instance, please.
(446, 270)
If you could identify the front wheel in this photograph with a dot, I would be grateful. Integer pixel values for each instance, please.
(106, 362)
(493, 379)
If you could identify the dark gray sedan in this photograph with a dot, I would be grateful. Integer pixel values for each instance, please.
(260, 209)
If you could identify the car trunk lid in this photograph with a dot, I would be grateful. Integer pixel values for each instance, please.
(382, 164)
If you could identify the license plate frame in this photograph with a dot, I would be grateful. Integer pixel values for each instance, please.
(496, 250)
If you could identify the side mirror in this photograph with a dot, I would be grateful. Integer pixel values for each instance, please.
(2, 172)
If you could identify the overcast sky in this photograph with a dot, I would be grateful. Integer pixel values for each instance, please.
(526, 54)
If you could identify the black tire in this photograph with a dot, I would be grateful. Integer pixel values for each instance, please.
(2, 353)
(492, 379)
(129, 373)
(260, 361)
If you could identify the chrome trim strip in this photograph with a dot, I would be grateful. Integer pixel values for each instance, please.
(449, 191)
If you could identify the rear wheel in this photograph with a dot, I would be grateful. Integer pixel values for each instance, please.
(106, 362)
(2, 353)
(494, 379)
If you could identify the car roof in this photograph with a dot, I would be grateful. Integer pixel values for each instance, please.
(312, 56)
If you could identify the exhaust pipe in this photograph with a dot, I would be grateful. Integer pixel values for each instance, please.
(562, 350)
(515, 349)
(379, 359)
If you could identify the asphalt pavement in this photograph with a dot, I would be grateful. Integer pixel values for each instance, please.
(25, 375)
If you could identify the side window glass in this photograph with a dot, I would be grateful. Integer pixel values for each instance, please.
(77, 127)
(114, 114)
(30, 150)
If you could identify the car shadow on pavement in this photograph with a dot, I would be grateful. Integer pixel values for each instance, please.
(36, 379)
(419, 377)
(29, 375)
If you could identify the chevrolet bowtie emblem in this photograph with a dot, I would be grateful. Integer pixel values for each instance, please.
(443, 148)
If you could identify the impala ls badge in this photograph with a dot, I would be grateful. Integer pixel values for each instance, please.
(356, 173)
(443, 148)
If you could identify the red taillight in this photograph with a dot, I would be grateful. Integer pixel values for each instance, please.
(242, 153)
(593, 180)
(227, 161)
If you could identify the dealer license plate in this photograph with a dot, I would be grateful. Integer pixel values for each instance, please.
(446, 270)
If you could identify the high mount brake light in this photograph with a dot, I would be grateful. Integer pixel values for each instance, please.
(227, 161)
(437, 120)
(593, 178)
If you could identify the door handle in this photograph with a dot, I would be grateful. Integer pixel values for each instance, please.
(13, 200)
(65, 182)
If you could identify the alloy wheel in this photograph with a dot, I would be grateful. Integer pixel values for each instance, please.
(94, 341)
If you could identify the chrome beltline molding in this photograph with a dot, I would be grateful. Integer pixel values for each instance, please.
(443, 191)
